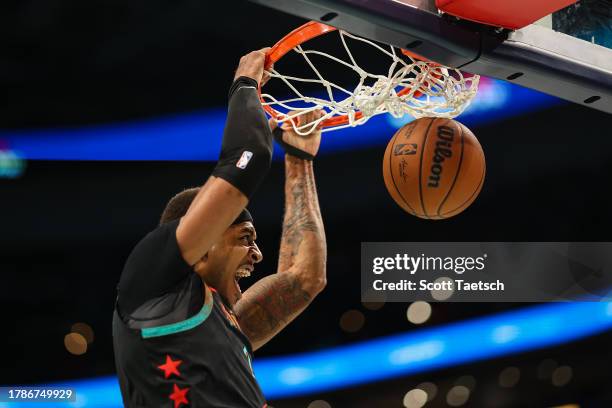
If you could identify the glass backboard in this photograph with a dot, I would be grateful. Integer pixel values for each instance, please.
(588, 20)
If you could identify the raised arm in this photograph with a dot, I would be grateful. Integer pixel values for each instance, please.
(274, 301)
(245, 158)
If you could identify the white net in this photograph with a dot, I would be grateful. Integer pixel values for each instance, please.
(411, 86)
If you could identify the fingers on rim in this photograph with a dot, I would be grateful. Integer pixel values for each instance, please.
(262, 52)
(303, 118)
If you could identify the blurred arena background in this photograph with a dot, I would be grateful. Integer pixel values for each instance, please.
(109, 108)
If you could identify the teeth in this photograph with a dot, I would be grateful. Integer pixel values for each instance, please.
(243, 273)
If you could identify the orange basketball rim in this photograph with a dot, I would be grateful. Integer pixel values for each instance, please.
(305, 33)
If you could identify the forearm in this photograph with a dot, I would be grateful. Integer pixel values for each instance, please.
(246, 153)
(270, 305)
(274, 301)
(303, 249)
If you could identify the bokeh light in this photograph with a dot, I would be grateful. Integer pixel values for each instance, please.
(319, 404)
(84, 330)
(442, 294)
(430, 388)
(352, 321)
(12, 165)
(415, 398)
(509, 377)
(457, 396)
(467, 381)
(75, 343)
(562, 376)
(419, 312)
(546, 368)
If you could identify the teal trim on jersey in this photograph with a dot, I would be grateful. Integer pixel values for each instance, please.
(248, 357)
(182, 326)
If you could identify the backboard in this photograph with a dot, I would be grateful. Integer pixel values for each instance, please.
(567, 54)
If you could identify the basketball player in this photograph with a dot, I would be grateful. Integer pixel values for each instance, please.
(183, 333)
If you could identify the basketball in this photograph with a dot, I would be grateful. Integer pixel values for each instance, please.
(434, 168)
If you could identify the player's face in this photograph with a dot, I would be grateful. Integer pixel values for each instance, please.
(232, 258)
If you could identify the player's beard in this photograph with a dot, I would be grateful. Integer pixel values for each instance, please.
(226, 284)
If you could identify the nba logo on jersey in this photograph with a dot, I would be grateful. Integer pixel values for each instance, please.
(244, 159)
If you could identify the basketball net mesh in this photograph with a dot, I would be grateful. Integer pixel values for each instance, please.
(411, 86)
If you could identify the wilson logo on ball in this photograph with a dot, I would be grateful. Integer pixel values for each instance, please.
(405, 149)
(447, 156)
(443, 151)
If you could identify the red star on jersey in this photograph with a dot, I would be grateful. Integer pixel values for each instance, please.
(170, 367)
(179, 396)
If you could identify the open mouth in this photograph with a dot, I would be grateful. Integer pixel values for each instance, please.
(244, 271)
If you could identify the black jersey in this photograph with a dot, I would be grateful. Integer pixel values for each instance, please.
(182, 347)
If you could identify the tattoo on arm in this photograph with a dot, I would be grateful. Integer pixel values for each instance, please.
(302, 212)
(269, 305)
(274, 301)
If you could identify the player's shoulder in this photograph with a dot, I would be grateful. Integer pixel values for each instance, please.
(157, 258)
(157, 241)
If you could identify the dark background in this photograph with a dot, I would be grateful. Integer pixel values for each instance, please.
(67, 227)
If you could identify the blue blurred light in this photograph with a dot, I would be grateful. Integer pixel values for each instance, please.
(197, 136)
(399, 355)
(434, 348)
(12, 164)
